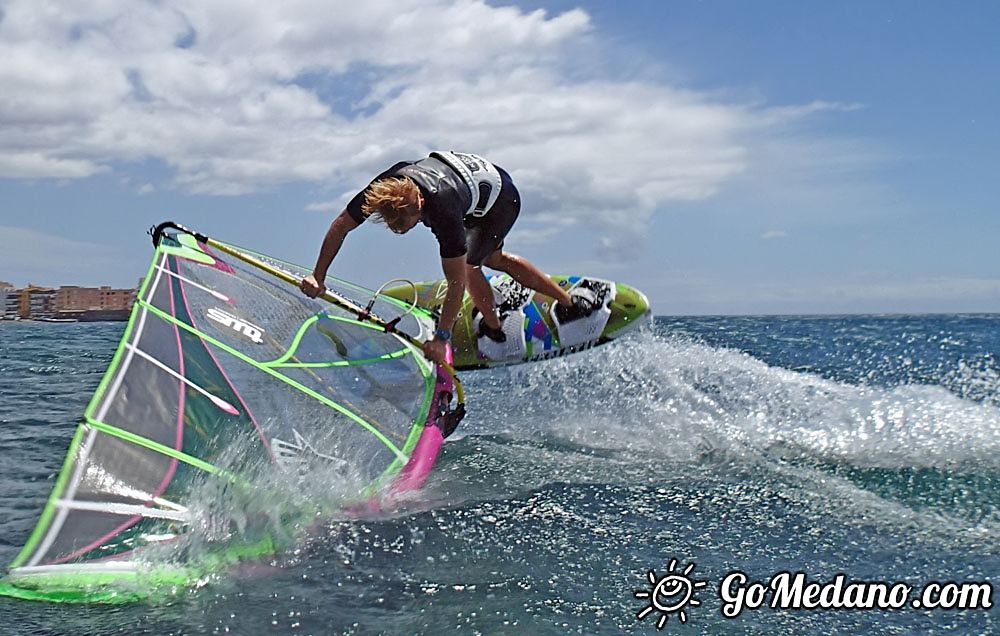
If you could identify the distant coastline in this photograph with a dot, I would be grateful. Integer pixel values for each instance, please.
(69, 318)
(68, 303)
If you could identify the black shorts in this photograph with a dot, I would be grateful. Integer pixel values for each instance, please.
(484, 235)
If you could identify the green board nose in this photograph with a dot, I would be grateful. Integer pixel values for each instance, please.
(629, 310)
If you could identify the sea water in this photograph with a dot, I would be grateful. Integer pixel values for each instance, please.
(862, 449)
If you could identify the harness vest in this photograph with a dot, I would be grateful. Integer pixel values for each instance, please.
(481, 177)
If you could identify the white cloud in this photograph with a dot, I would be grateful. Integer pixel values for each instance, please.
(238, 97)
(774, 234)
(37, 164)
(784, 114)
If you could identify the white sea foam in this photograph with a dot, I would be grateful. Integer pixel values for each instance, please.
(678, 399)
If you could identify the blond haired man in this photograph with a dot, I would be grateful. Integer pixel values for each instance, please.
(470, 205)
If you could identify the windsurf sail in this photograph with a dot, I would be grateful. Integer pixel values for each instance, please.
(224, 367)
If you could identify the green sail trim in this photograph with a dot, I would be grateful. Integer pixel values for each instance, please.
(50, 506)
(77, 585)
(292, 348)
(115, 365)
(188, 249)
(338, 363)
(280, 376)
(60, 486)
(139, 440)
(188, 253)
(358, 288)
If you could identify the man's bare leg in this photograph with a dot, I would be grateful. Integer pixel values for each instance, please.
(525, 272)
(482, 295)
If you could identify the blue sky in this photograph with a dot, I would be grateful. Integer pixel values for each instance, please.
(725, 157)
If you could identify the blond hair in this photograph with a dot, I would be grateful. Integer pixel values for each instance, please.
(387, 198)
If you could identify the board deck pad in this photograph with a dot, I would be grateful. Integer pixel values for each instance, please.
(511, 298)
(589, 329)
(532, 329)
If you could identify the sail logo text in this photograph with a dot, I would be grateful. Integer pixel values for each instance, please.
(226, 319)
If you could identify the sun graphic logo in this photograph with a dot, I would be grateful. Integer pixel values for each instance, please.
(670, 594)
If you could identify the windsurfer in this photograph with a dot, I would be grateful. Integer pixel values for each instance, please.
(470, 205)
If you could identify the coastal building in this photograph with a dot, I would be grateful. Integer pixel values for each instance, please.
(69, 302)
(36, 302)
(9, 301)
(93, 303)
(71, 298)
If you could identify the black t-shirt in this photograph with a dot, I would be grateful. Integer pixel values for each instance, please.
(446, 198)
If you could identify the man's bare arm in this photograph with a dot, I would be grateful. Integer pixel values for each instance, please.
(332, 241)
(313, 285)
(454, 273)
